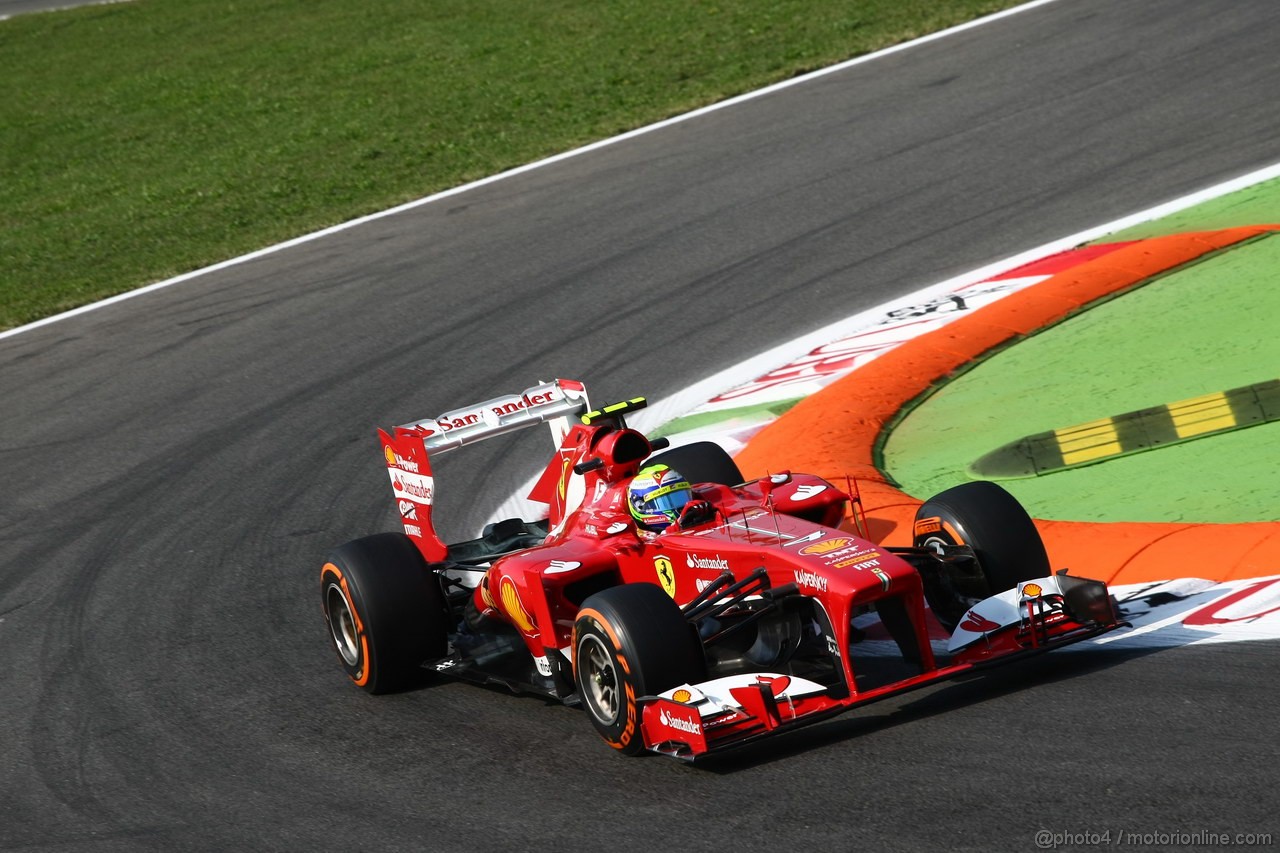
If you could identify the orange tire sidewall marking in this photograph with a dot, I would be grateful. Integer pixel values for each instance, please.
(361, 678)
(936, 524)
(595, 616)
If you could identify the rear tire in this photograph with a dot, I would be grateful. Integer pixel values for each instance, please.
(385, 611)
(631, 641)
(701, 462)
(989, 520)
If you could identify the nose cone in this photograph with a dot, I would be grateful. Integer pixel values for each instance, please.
(846, 562)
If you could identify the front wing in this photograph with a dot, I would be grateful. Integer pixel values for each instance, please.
(1038, 616)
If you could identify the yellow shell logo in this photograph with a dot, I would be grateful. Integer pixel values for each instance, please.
(511, 604)
(666, 575)
(564, 478)
(1032, 590)
(826, 547)
(391, 456)
(682, 695)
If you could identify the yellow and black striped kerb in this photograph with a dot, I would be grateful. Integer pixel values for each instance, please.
(1132, 432)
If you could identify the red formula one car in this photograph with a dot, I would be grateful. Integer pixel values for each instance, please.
(735, 622)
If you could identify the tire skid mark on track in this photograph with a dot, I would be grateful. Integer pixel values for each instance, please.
(88, 755)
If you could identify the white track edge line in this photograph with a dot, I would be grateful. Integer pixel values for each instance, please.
(519, 170)
(9, 15)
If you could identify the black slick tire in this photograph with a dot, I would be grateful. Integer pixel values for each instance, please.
(384, 610)
(991, 522)
(631, 641)
(700, 462)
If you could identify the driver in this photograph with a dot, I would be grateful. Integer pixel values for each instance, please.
(657, 496)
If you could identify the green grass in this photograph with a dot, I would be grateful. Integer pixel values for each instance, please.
(145, 139)
(1205, 328)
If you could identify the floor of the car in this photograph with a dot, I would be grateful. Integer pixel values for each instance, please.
(503, 537)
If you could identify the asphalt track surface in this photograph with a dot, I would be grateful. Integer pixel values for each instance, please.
(176, 465)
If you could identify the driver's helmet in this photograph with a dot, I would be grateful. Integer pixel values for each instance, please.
(656, 496)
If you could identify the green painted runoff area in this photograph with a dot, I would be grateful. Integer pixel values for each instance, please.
(1205, 328)
(1202, 329)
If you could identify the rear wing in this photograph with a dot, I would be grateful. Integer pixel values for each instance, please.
(551, 402)
(407, 447)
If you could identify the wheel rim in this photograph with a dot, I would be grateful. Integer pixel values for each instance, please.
(959, 603)
(599, 679)
(342, 624)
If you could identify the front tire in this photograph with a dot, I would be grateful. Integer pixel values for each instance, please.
(384, 610)
(990, 521)
(631, 641)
